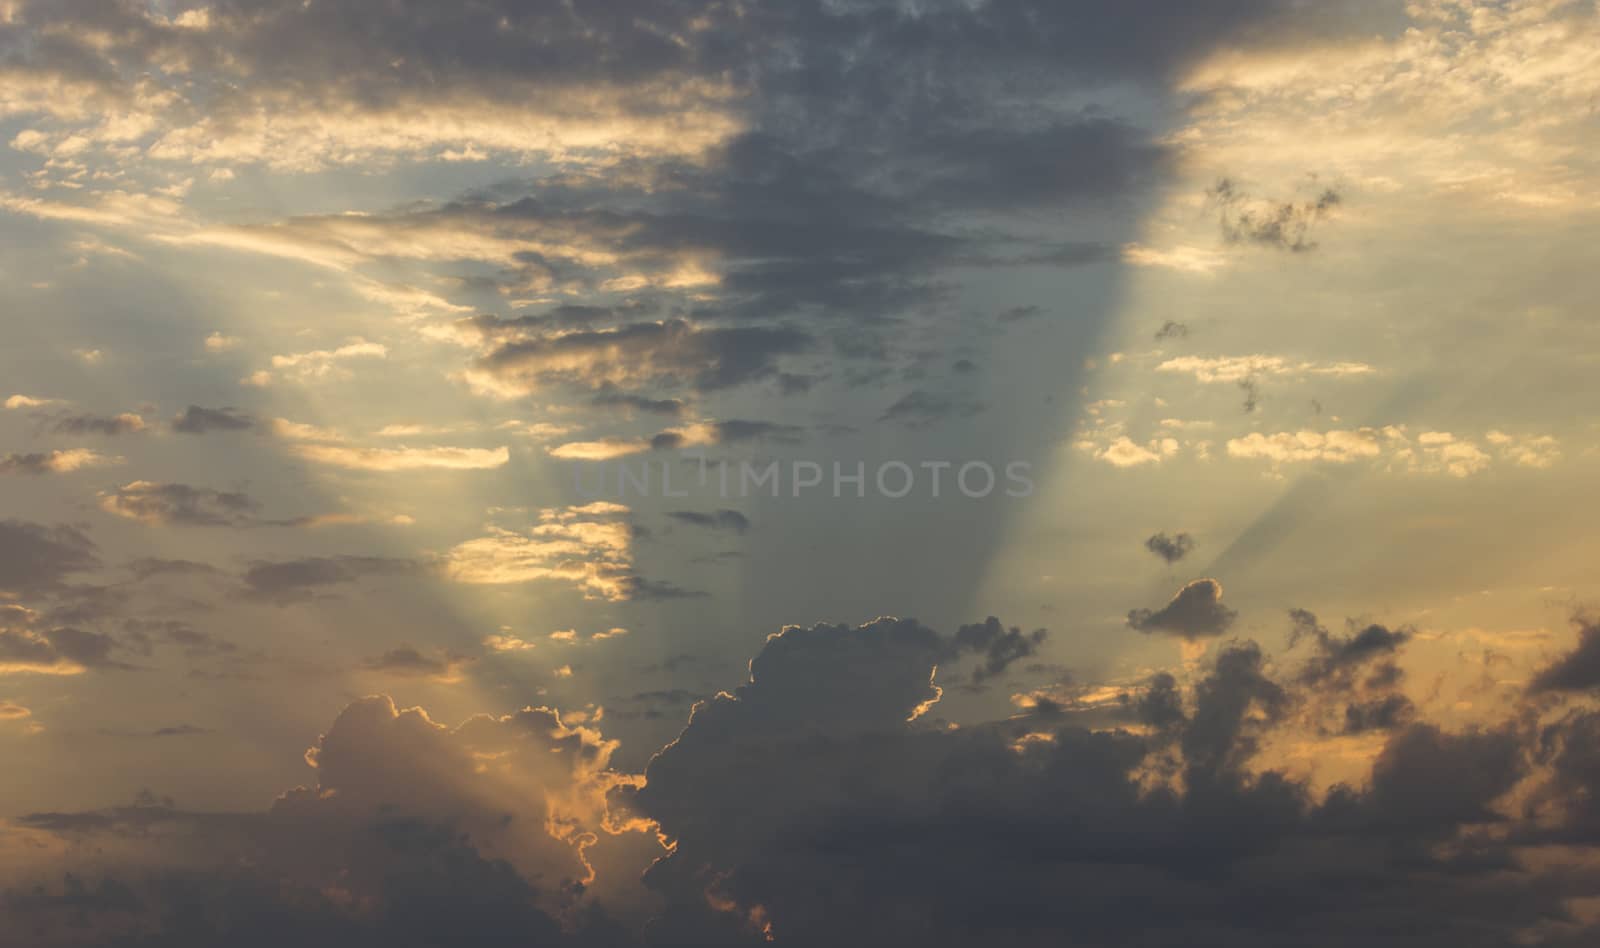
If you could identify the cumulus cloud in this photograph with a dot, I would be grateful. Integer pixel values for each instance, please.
(1196, 612)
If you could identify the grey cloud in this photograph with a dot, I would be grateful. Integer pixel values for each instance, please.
(180, 504)
(1578, 670)
(38, 463)
(1170, 548)
(717, 520)
(821, 762)
(109, 425)
(289, 580)
(734, 431)
(57, 650)
(1172, 330)
(919, 409)
(998, 646)
(654, 406)
(1196, 612)
(1283, 225)
(409, 662)
(1017, 314)
(196, 420)
(36, 558)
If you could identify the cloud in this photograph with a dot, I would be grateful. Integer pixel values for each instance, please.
(1336, 446)
(1170, 548)
(718, 520)
(1196, 612)
(822, 761)
(56, 651)
(1579, 669)
(1172, 329)
(197, 421)
(1355, 678)
(638, 403)
(674, 353)
(1123, 451)
(55, 462)
(919, 409)
(1236, 369)
(404, 459)
(292, 580)
(322, 446)
(587, 548)
(35, 557)
(407, 662)
(218, 342)
(179, 504)
(110, 425)
(16, 402)
(605, 449)
(318, 364)
(1282, 225)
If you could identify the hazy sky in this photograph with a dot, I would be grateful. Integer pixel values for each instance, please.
(469, 392)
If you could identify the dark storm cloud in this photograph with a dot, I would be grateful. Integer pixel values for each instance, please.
(290, 580)
(180, 504)
(1578, 670)
(36, 558)
(825, 768)
(1172, 330)
(920, 409)
(1170, 548)
(196, 420)
(1196, 612)
(818, 773)
(731, 520)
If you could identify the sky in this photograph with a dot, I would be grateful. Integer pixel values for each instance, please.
(823, 472)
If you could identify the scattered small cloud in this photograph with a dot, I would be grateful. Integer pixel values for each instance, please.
(1170, 547)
